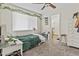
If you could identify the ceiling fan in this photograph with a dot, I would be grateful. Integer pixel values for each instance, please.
(47, 5)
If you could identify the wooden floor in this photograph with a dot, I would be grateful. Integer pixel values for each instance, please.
(57, 49)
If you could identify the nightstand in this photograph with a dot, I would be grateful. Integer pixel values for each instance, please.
(7, 49)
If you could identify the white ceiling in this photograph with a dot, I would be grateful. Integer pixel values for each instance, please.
(30, 6)
(37, 7)
(59, 7)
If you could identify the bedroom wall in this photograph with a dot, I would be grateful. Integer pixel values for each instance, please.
(46, 12)
(6, 23)
(49, 12)
(65, 10)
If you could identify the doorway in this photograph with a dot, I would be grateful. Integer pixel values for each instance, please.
(55, 27)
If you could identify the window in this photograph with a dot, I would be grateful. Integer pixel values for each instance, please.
(23, 22)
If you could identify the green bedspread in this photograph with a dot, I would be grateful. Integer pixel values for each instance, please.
(29, 41)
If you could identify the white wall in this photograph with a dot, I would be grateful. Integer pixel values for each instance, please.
(46, 12)
(65, 10)
(7, 25)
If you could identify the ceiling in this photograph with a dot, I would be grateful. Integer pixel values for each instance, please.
(59, 7)
(30, 6)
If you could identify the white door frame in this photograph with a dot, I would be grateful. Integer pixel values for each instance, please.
(59, 24)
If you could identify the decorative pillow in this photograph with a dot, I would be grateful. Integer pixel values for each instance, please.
(44, 34)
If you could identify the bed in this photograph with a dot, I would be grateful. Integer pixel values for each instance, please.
(31, 40)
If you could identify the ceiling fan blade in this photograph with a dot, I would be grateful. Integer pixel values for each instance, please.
(43, 7)
(53, 6)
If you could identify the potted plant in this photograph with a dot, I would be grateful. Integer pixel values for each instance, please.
(11, 40)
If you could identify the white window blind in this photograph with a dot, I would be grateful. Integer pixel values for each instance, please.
(23, 22)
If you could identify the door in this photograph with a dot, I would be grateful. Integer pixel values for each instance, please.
(55, 24)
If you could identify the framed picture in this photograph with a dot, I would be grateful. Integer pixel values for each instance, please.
(76, 21)
(46, 20)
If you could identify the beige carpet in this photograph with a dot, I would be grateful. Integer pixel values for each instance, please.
(57, 49)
